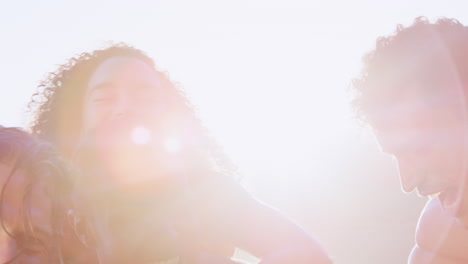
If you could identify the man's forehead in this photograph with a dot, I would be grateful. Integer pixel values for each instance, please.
(414, 107)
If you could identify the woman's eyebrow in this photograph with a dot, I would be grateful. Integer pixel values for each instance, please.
(101, 86)
(105, 86)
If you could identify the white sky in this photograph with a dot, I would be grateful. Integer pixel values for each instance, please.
(269, 78)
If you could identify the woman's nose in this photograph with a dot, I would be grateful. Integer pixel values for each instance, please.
(122, 107)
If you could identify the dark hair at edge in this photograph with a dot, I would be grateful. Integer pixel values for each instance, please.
(57, 103)
(418, 53)
(40, 162)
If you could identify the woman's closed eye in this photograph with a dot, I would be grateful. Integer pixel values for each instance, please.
(102, 93)
(102, 98)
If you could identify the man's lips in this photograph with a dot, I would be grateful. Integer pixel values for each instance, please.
(448, 198)
(431, 193)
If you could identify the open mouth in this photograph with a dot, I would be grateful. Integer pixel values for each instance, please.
(431, 193)
(448, 198)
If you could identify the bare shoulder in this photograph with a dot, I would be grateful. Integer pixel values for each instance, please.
(235, 218)
(439, 236)
(420, 256)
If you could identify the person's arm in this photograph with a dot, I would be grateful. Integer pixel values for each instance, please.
(233, 218)
(273, 238)
(439, 237)
(421, 256)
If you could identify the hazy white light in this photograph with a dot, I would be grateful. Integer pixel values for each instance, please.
(172, 145)
(141, 135)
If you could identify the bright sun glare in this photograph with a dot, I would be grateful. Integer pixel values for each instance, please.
(141, 135)
(172, 145)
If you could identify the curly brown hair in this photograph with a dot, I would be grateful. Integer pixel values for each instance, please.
(41, 163)
(429, 57)
(57, 104)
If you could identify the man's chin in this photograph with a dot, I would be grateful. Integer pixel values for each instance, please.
(455, 205)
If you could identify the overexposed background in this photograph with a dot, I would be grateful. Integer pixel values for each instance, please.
(270, 79)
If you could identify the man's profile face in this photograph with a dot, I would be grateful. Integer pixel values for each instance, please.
(17, 244)
(427, 140)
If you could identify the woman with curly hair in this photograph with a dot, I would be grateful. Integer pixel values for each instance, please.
(34, 198)
(155, 185)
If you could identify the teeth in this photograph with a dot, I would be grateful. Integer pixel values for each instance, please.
(449, 201)
(434, 195)
(459, 222)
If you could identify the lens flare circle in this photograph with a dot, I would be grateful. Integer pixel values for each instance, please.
(140, 135)
(172, 145)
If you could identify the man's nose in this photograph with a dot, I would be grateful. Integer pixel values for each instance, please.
(408, 179)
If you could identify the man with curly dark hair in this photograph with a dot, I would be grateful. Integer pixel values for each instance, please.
(154, 184)
(413, 92)
(34, 198)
